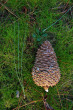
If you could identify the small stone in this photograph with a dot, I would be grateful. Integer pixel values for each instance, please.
(17, 94)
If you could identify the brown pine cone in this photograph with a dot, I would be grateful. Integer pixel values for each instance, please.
(46, 71)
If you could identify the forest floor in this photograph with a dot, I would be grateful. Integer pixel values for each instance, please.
(24, 26)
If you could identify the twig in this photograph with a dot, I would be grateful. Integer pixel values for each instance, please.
(8, 10)
(68, 99)
(58, 7)
(59, 96)
(65, 83)
(28, 104)
(46, 105)
(65, 94)
(5, 3)
(66, 4)
(62, 12)
(57, 20)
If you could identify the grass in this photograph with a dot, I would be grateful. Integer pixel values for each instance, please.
(33, 17)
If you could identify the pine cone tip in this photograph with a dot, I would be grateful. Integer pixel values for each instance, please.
(46, 88)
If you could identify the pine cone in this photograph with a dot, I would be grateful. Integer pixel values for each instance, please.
(46, 71)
